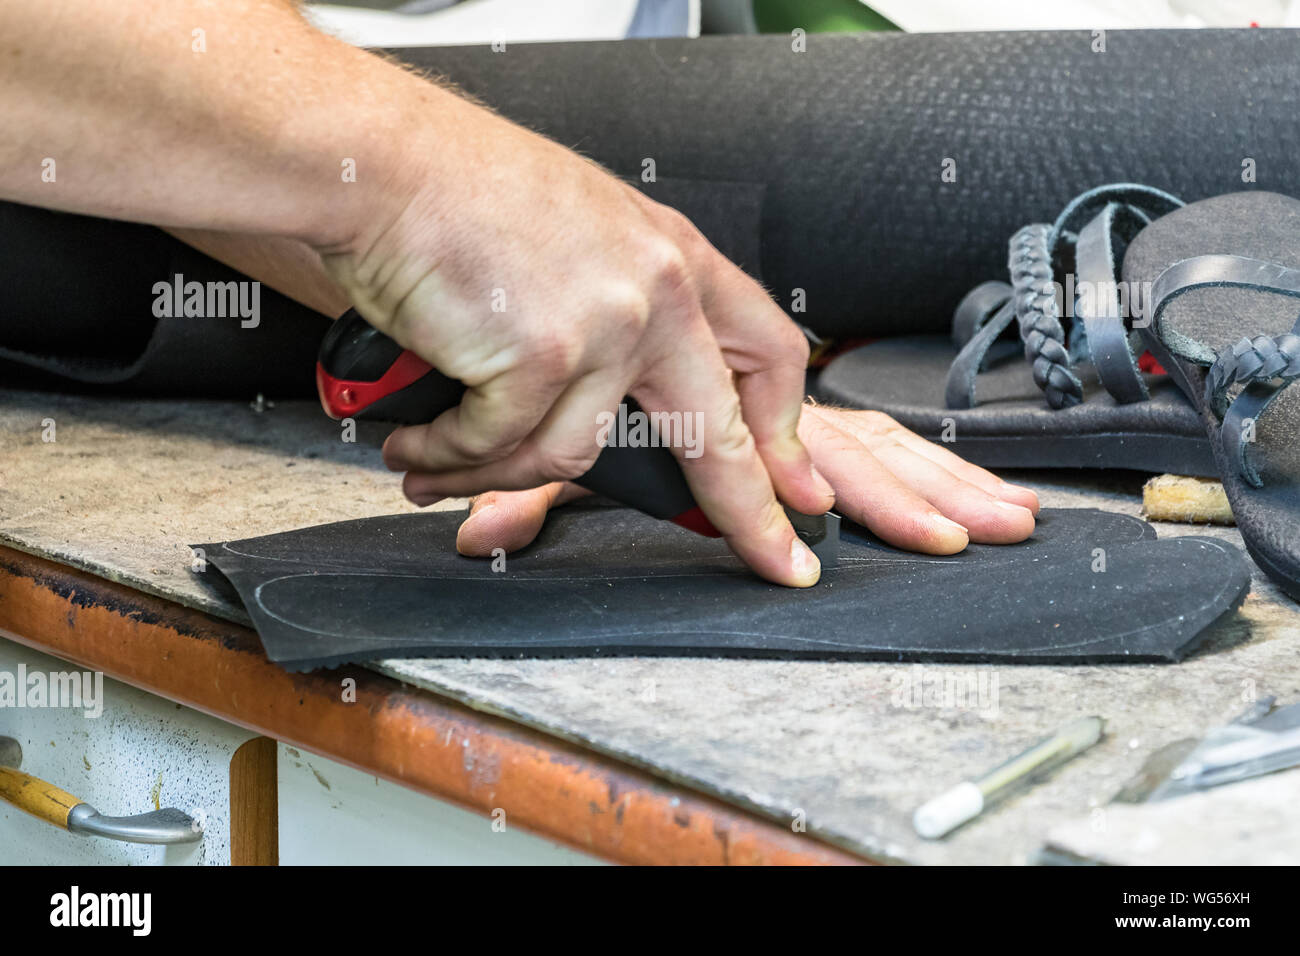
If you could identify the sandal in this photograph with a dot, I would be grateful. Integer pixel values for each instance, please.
(1080, 397)
(1224, 278)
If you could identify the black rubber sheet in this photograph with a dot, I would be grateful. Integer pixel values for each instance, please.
(1088, 586)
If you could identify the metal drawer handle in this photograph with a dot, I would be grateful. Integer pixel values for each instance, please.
(47, 802)
(167, 825)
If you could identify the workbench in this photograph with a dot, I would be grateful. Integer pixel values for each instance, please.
(635, 760)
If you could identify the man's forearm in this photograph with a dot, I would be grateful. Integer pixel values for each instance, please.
(286, 265)
(213, 114)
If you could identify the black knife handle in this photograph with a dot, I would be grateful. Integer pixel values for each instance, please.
(362, 373)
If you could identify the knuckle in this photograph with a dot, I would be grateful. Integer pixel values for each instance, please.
(554, 356)
(669, 273)
(733, 439)
(794, 343)
(672, 220)
(625, 311)
(677, 225)
(774, 522)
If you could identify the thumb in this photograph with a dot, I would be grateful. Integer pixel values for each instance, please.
(510, 519)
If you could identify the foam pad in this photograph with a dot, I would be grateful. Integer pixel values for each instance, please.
(394, 587)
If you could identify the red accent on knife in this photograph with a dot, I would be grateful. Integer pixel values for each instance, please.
(341, 398)
(694, 520)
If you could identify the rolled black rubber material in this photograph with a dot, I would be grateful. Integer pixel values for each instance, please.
(847, 143)
(77, 301)
(850, 139)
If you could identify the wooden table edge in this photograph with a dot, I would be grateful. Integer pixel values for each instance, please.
(550, 787)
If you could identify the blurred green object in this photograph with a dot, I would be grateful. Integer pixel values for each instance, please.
(817, 16)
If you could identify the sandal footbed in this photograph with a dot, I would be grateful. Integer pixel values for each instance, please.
(1011, 424)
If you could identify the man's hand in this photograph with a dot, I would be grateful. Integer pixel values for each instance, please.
(913, 493)
(552, 290)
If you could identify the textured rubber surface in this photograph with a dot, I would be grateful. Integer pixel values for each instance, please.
(838, 150)
(394, 587)
(1012, 426)
(850, 137)
(1202, 323)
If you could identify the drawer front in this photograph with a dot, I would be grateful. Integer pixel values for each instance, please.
(332, 814)
(123, 751)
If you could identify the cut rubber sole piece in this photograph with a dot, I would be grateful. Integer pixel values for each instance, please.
(1087, 587)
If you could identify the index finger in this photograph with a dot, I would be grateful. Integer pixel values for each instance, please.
(727, 477)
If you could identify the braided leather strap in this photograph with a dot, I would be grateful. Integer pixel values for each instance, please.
(1037, 311)
(1260, 359)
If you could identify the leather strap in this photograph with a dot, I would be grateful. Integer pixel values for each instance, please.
(1214, 271)
(1259, 363)
(1037, 311)
(1083, 207)
(1237, 432)
(1108, 338)
(959, 389)
(1109, 217)
(1261, 359)
(976, 308)
(1100, 216)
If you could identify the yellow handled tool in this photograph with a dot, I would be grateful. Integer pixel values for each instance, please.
(47, 802)
(42, 800)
